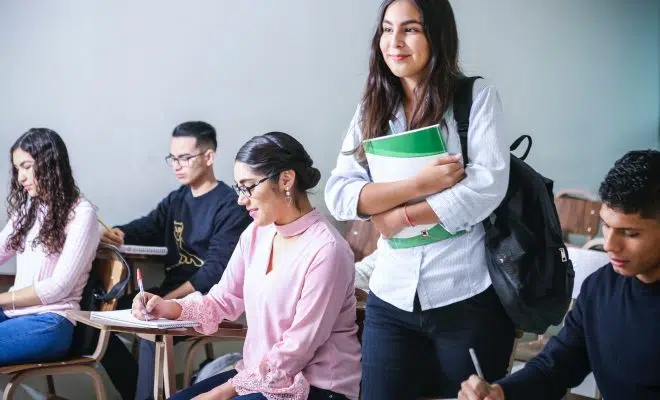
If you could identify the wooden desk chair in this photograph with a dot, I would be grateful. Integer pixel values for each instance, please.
(360, 311)
(362, 237)
(108, 268)
(578, 212)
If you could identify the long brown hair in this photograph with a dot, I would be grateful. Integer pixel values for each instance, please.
(57, 192)
(384, 92)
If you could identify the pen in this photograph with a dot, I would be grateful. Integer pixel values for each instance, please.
(104, 225)
(473, 355)
(139, 282)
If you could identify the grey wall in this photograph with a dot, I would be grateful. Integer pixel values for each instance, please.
(114, 78)
(582, 77)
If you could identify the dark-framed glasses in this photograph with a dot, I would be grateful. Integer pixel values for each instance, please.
(247, 190)
(181, 161)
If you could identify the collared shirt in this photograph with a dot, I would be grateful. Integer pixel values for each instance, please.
(451, 270)
(301, 315)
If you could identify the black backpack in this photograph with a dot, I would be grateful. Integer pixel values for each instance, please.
(85, 337)
(527, 259)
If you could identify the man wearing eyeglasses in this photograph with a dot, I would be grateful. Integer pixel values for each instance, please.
(199, 223)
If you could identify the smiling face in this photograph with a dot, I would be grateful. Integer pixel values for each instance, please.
(403, 44)
(24, 165)
(632, 243)
(263, 198)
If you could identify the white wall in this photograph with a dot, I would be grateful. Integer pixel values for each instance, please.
(582, 77)
(114, 78)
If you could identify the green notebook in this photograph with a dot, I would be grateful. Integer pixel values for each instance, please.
(401, 156)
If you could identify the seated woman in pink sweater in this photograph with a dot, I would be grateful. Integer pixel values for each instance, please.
(292, 273)
(53, 233)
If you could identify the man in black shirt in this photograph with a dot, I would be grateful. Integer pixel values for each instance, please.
(612, 329)
(199, 223)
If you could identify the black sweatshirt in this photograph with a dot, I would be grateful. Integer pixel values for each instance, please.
(613, 330)
(200, 234)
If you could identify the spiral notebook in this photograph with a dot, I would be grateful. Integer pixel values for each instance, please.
(124, 317)
(400, 156)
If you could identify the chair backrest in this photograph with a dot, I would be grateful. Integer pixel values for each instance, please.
(109, 268)
(107, 280)
(362, 237)
(578, 212)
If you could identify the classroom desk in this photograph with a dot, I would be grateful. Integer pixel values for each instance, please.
(164, 377)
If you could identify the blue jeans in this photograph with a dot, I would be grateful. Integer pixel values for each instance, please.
(217, 380)
(406, 355)
(34, 338)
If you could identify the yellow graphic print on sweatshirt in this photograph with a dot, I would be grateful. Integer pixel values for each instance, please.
(185, 257)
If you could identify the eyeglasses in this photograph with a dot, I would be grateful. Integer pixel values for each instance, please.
(247, 190)
(182, 161)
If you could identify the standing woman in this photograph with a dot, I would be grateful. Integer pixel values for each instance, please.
(53, 233)
(428, 304)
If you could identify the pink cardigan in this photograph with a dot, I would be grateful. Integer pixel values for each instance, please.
(301, 315)
(58, 279)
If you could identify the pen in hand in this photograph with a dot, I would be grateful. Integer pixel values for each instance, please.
(107, 228)
(144, 304)
(477, 367)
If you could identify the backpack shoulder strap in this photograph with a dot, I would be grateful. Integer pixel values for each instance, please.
(462, 107)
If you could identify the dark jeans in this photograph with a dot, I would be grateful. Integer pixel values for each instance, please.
(215, 381)
(425, 353)
(34, 338)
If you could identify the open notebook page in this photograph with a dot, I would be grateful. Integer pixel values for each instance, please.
(124, 317)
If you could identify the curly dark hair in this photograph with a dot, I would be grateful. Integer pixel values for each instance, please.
(57, 192)
(633, 184)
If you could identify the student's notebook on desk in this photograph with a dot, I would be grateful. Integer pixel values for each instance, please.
(124, 317)
(401, 156)
(143, 250)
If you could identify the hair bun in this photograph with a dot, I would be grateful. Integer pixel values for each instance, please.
(308, 161)
(313, 177)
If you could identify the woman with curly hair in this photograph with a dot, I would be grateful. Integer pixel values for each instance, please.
(53, 233)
